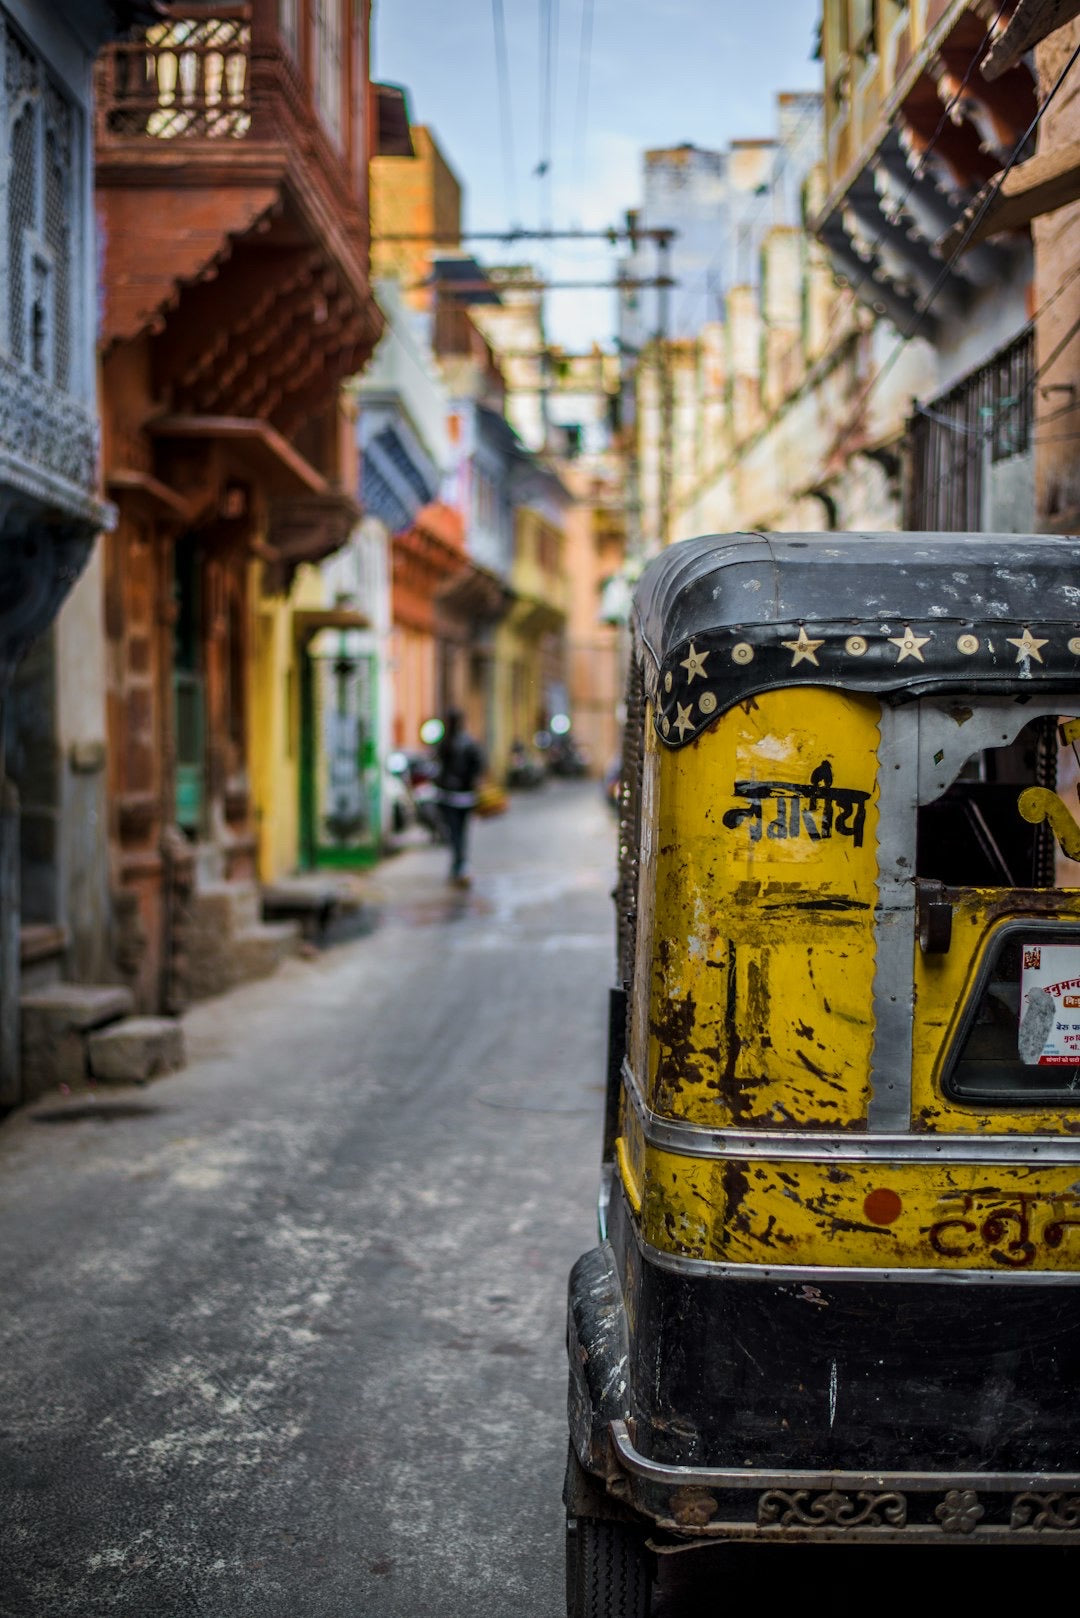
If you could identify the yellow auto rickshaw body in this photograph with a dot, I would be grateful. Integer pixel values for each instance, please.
(838, 1288)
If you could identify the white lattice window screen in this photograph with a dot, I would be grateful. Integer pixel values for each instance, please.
(289, 25)
(40, 216)
(328, 28)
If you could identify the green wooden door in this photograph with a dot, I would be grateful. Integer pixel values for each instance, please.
(189, 702)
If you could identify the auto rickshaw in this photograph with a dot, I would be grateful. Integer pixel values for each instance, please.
(837, 1292)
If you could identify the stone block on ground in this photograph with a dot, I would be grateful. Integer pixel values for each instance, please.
(54, 1023)
(219, 912)
(256, 952)
(137, 1049)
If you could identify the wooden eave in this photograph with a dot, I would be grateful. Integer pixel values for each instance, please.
(310, 621)
(475, 594)
(936, 42)
(330, 217)
(148, 491)
(1047, 181)
(285, 470)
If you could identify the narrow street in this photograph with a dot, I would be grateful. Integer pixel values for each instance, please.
(283, 1334)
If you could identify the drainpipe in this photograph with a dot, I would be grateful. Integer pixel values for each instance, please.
(10, 1087)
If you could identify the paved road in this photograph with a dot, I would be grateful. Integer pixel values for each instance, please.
(282, 1335)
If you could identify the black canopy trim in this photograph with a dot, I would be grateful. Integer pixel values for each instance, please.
(711, 671)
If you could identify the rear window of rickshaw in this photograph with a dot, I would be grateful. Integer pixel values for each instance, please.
(1020, 1045)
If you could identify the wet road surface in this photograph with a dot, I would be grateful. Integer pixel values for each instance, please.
(282, 1335)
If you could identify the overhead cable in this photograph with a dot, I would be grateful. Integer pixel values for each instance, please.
(969, 231)
(506, 118)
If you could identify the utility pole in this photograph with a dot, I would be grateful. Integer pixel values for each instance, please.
(612, 235)
(664, 377)
(632, 284)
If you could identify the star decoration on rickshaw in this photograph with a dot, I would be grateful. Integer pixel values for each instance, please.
(910, 644)
(804, 649)
(1026, 646)
(683, 721)
(694, 663)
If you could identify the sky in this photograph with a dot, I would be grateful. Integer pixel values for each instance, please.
(653, 73)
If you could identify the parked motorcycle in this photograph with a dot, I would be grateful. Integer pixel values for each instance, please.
(416, 773)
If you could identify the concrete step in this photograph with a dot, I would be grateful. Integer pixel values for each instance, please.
(220, 962)
(135, 1050)
(54, 1023)
(313, 899)
(219, 912)
(42, 951)
(226, 906)
(257, 952)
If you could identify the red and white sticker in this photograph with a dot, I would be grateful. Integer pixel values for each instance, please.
(1049, 1033)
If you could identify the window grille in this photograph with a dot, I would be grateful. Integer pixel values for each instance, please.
(986, 417)
(58, 244)
(21, 211)
(41, 217)
(289, 25)
(327, 18)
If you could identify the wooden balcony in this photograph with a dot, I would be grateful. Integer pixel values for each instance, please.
(913, 130)
(250, 163)
(216, 91)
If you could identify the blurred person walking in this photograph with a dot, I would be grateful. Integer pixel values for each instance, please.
(461, 764)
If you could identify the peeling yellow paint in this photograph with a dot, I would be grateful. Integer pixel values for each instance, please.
(762, 944)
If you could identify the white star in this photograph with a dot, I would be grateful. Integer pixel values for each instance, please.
(694, 663)
(1027, 646)
(910, 644)
(803, 648)
(683, 721)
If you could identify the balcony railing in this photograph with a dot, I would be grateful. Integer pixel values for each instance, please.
(183, 78)
(211, 75)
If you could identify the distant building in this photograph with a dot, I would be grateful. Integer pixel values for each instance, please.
(725, 207)
(722, 204)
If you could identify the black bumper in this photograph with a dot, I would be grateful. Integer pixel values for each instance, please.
(857, 1409)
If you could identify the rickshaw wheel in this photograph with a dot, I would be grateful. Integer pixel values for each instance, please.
(608, 1569)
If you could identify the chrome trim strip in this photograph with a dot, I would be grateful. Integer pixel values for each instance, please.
(841, 1146)
(709, 1269)
(740, 1477)
(894, 920)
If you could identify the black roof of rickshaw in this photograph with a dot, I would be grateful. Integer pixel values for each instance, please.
(730, 615)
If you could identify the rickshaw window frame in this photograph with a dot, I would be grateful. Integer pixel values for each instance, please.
(1040, 926)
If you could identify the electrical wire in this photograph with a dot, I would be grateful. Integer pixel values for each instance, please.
(506, 115)
(962, 462)
(546, 19)
(969, 231)
(917, 171)
(581, 120)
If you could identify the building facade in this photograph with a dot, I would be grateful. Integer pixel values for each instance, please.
(873, 375)
(54, 914)
(227, 334)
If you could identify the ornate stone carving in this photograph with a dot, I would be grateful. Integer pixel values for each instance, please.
(1053, 1510)
(20, 65)
(960, 1511)
(791, 1508)
(45, 429)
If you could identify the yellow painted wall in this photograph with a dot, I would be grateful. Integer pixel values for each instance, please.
(274, 705)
